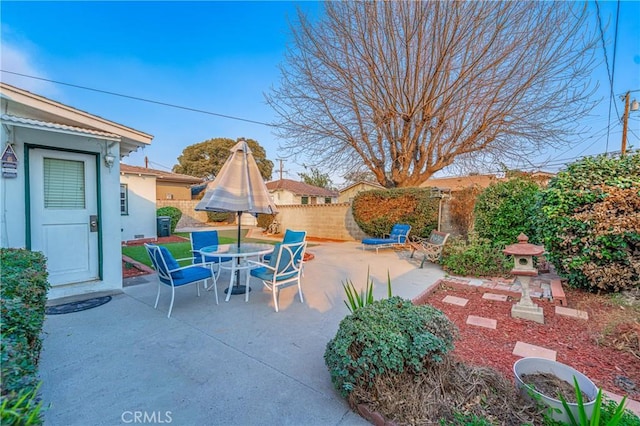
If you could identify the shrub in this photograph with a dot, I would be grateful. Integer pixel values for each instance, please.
(478, 257)
(227, 217)
(378, 210)
(265, 219)
(589, 222)
(505, 209)
(173, 212)
(23, 295)
(387, 336)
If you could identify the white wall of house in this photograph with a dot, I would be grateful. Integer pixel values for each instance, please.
(13, 203)
(284, 197)
(140, 220)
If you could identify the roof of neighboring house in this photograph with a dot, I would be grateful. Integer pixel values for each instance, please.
(31, 110)
(300, 188)
(363, 182)
(456, 183)
(159, 174)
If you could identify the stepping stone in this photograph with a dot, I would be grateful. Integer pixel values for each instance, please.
(482, 322)
(459, 301)
(573, 313)
(525, 350)
(497, 297)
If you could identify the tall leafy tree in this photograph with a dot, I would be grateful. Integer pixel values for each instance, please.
(316, 178)
(406, 87)
(205, 159)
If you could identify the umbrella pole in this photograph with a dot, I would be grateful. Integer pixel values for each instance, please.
(238, 270)
(237, 288)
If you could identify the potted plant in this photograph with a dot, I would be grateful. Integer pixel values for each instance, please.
(526, 369)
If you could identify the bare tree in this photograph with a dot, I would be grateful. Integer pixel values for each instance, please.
(406, 87)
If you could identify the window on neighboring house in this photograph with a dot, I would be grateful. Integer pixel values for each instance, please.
(124, 200)
(304, 200)
(327, 200)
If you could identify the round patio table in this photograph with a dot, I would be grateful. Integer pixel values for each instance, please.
(239, 256)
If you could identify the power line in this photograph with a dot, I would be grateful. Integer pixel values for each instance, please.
(609, 73)
(142, 99)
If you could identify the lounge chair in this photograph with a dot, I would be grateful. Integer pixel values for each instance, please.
(396, 238)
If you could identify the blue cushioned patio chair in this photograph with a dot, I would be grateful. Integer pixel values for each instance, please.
(396, 238)
(171, 274)
(202, 239)
(284, 268)
(290, 237)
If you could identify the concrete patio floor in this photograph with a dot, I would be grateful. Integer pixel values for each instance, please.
(235, 363)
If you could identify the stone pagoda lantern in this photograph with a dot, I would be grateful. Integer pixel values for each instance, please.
(524, 270)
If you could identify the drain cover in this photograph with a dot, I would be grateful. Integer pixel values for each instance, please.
(82, 305)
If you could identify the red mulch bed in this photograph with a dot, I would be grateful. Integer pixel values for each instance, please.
(588, 346)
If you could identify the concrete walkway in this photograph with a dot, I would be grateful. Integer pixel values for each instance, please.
(235, 363)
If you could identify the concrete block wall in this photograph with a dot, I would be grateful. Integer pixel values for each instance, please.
(333, 221)
(190, 217)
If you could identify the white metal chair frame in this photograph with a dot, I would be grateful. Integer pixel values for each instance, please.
(430, 247)
(285, 270)
(214, 266)
(164, 273)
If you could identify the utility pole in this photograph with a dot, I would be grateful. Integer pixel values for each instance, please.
(281, 167)
(625, 120)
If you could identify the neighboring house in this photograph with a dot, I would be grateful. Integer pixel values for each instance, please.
(59, 196)
(347, 194)
(286, 191)
(140, 187)
(169, 186)
(457, 183)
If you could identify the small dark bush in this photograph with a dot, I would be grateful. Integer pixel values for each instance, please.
(506, 209)
(23, 296)
(173, 212)
(377, 211)
(387, 336)
(477, 257)
(227, 217)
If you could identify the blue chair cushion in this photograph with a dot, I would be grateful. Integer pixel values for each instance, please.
(266, 274)
(190, 275)
(171, 262)
(211, 259)
(378, 241)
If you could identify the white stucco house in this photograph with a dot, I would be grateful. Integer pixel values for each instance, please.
(140, 187)
(60, 195)
(291, 192)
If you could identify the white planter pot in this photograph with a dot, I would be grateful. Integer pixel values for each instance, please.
(561, 371)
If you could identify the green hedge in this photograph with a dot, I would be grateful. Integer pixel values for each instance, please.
(506, 209)
(23, 291)
(173, 212)
(589, 222)
(378, 210)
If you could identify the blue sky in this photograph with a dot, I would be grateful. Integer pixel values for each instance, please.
(221, 57)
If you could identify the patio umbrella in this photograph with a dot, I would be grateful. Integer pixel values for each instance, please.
(238, 188)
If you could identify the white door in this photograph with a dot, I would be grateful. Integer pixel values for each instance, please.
(63, 203)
